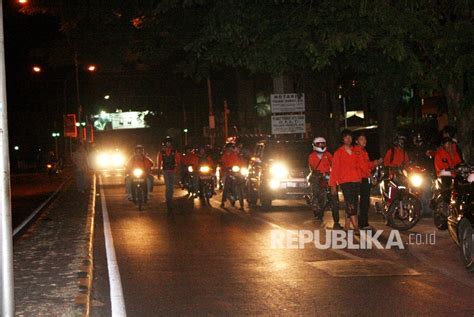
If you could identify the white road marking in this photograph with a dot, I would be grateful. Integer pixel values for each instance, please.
(116, 292)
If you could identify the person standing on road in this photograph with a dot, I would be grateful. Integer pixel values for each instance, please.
(346, 174)
(168, 161)
(365, 168)
(320, 162)
(81, 161)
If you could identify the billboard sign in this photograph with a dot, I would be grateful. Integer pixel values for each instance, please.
(120, 120)
(285, 103)
(288, 124)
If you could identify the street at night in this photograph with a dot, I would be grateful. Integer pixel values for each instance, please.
(236, 158)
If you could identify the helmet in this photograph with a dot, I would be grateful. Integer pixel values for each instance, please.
(446, 140)
(319, 144)
(470, 178)
(139, 147)
(399, 140)
(168, 139)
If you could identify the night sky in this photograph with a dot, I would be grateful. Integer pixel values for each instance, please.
(32, 108)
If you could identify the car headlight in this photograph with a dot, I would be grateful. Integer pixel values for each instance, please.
(204, 169)
(138, 172)
(235, 169)
(118, 160)
(190, 169)
(244, 171)
(416, 180)
(103, 160)
(279, 171)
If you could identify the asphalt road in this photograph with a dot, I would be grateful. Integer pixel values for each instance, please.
(213, 261)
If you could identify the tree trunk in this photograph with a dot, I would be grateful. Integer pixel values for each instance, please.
(462, 119)
(386, 120)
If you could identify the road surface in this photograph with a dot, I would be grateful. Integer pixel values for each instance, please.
(213, 261)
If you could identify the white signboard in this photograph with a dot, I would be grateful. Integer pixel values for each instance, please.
(287, 124)
(283, 103)
(120, 120)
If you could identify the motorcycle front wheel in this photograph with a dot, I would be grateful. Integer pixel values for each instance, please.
(466, 242)
(405, 212)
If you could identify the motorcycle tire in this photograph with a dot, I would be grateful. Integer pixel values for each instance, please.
(139, 198)
(440, 215)
(396, 221)
(466, 242)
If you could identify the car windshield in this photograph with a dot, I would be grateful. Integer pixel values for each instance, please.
(295, 154)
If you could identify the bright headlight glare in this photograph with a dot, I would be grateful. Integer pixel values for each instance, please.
(118, 160)
(274, 184)
(235, 169)
(190, 169)
(138, 172)
(279, 171)
(416, 180)
(204, 169)
(244, 171)
(103, 160)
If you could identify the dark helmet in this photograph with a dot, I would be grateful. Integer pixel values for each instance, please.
(399, 140)
(167, 139)
(139, 147)
(446, 140)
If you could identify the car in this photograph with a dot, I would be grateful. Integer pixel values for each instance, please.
(278, 170)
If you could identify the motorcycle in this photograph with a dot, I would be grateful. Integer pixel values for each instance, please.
(401, 196)
(187, 180)
(53, 169)
(320, 196)
(139, 187)
(206, 183)
(461, 213)
(442, 187)
(234, 185)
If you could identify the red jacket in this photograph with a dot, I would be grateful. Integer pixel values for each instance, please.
(190, 159)
(140, 161)
(445, 160)
(365, 165)
(177, 157)
(345, 167)
(323, 165)
(230, 159)
(400, 157)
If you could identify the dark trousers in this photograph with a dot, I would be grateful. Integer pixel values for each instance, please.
(364, 202)
(351, 198)
(333, 199)
(169, 177)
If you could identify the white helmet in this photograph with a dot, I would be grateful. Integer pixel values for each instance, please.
(319, 145)
(470, 178)
(445, 173)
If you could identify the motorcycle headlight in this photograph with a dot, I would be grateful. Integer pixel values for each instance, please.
(118, 160)
(416, 180)
(138, 172)
(244, 171)
(190, 169)
(49, 166)
(235, 169)
(204, 169)
(279, 171)
(103, 160)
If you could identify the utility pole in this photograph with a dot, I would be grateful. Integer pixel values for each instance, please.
(212, 119)
(6, 243)
(226, 122)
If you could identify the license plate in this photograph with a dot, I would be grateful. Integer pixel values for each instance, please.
(303, 185)
(291, 185)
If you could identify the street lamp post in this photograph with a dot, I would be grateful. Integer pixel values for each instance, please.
(56, 135)
(185, 137)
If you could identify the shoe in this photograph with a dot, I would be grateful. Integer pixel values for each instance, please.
(337, 226)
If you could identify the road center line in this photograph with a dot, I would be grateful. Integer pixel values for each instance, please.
(116, 292)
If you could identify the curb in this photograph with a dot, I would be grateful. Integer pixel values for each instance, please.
(86, 275)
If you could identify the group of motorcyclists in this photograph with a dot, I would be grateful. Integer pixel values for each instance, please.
(348, 169)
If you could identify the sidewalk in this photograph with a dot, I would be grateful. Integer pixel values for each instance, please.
(52, 260)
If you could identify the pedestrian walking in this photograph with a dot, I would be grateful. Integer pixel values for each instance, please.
(168, 162)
